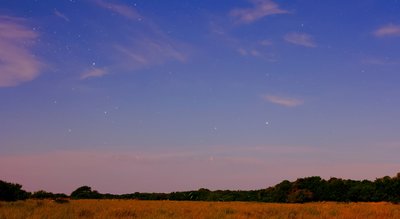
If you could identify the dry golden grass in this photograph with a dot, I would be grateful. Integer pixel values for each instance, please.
(171, 209)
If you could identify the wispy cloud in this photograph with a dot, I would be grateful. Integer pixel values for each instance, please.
(283, 101)
(119, 8)
(266, 42)
(138, 45)
(300, 39)
(132, 54)
(385, 61)
(153, 49)
(260, 9)
(94, 72)
(251, 52)
(60, 15)
(244, 48)
(17, 62)
(389, 30)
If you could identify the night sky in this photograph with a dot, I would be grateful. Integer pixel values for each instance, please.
(161, 96)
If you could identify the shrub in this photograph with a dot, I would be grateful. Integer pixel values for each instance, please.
(12, 192)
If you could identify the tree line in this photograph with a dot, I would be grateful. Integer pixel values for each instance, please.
(308, 189)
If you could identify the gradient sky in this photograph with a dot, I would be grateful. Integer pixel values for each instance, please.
(160, 96)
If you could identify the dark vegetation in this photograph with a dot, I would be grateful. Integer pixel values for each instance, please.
(12, 192)
(309, 189)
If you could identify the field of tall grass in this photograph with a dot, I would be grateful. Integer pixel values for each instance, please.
(173, 209)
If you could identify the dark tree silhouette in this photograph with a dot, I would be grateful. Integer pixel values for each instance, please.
(12, 192)
(85, 192)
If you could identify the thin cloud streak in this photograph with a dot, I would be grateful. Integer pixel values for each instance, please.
(260, 9)
(252, 52)
(244, 48)
(95, 72)
(155, 49)
(283, 101)
(389, 30)
(266, 42)
(17, 62)
(121, 9)
(61, 15)
(132, 54)
(140, 45)
(380, 61)
(256, 53)
(300, 39)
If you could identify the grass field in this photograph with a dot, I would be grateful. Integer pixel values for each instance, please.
(173, 209)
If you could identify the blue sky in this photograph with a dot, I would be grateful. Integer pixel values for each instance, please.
(219, 94)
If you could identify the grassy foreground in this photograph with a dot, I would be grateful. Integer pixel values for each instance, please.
(173, 209)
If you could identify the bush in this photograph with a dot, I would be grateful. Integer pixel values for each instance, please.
(85, 192)
(12, 192)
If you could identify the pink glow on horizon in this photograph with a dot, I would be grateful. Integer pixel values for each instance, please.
(126, 172)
